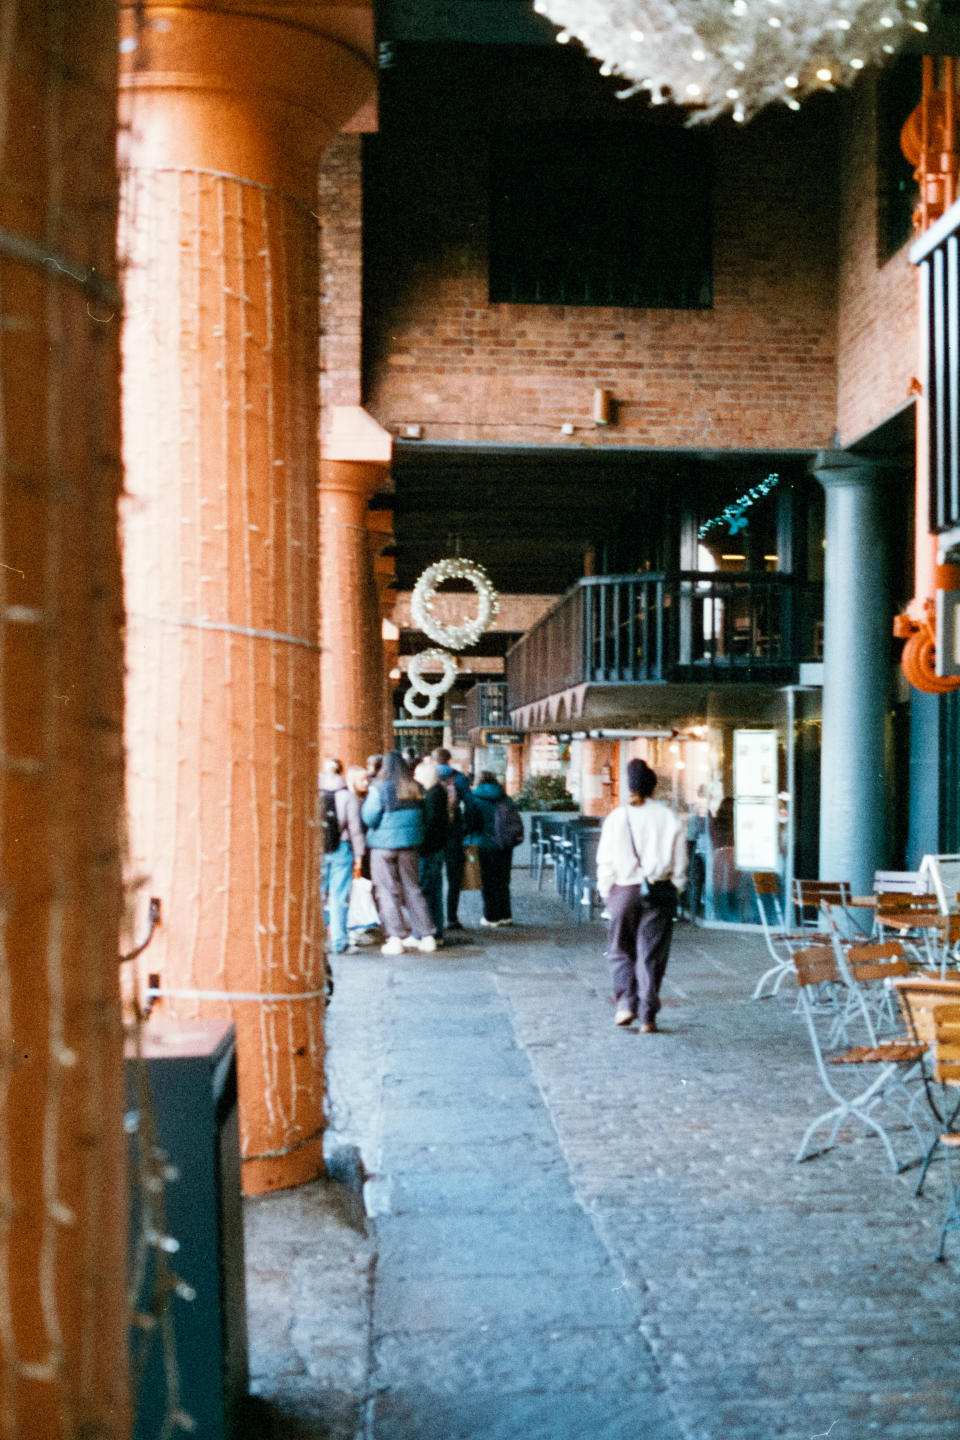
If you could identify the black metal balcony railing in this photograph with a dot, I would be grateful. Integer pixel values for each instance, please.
(937, 253)
(486, 706)
(652, 629)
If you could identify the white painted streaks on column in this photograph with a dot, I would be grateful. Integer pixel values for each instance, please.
(8, 1344)
(56, 719)
(193, 897)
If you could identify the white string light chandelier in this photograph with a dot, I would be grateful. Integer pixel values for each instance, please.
(735, 56)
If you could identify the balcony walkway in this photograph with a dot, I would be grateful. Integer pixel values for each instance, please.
(577, 1231)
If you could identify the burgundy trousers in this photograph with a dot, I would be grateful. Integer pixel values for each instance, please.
(639, 932)
(396, 885)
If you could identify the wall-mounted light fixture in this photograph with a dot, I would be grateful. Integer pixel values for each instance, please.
(602, 407)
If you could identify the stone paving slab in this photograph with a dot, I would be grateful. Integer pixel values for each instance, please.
(505, 1358)
(575, 1230)
(619, 1415)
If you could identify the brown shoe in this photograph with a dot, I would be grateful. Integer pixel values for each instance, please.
(649, 1027)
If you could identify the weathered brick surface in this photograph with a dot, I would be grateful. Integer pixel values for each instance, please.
(878, 316)
(759, 369)
(809, 333)
(341, 272)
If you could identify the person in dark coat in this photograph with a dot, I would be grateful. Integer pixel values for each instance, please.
(460, 816)
(435, 827)
(495, 861)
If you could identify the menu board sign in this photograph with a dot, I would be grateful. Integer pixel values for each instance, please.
(755, 763)
(756, 836)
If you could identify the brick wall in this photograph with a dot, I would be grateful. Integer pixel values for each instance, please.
(878, 315)
(758, 370)
(341, 270)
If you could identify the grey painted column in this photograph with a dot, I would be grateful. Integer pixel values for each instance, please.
(856, 643)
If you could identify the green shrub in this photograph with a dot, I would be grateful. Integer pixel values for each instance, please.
(544, 792)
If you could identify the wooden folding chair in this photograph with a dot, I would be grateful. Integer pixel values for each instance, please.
(919, 997)
(947, 944)
(866, 970)
(780, 941)
(946, 1073)
(816, 967)
(908, 910)
(814, 902)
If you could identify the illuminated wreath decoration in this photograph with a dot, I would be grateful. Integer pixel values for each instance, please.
(412, 705)
(422, 662)
(454, 637)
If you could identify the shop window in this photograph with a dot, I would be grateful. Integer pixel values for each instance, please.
(601, 214)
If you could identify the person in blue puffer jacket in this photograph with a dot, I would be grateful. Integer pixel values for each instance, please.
(393, 815)
(495, 862)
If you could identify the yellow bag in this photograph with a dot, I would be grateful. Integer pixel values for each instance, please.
(471, 869)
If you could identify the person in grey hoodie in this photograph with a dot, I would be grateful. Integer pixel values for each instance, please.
(393, 815)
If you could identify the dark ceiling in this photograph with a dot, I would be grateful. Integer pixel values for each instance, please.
(527, 513)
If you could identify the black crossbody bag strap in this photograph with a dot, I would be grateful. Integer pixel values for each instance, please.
(633, 846)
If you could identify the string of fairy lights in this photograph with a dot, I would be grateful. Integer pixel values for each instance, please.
(734, 514)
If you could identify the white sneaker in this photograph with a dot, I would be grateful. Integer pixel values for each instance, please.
(487, 924)
(427, 945)
(624, 1017)
(500, 923)
(394, 946)
(410, 942)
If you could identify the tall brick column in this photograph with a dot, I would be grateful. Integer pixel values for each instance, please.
(514, 769)
(63, 1194)
(355, 463)
(226, 111)
(597, 759)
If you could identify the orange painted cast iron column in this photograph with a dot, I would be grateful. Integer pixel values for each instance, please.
(63, 1194)
(354, 464)
(225, 113)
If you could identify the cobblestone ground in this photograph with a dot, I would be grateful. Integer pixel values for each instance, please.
(574, 1230)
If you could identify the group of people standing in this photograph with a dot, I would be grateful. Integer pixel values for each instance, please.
(406, 827)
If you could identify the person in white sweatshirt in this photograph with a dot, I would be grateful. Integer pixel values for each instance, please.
(641, 865)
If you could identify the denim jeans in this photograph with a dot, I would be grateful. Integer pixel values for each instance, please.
(337, 876)
(431, 883)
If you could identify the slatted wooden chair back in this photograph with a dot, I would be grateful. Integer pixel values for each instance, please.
(876, 962)
(815, 965)
(905, 901)
(766, 888)
(946, 1043)
(813, 893)
(919, 995)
